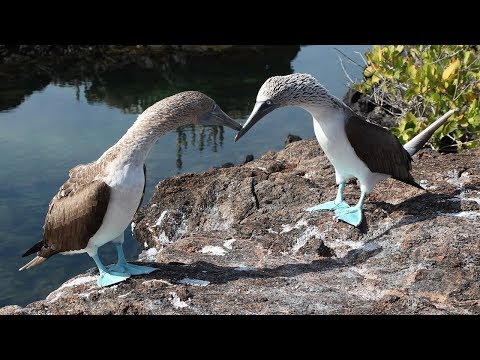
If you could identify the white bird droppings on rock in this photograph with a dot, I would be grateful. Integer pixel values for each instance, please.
(458, 180)
(288, 227)
(311, 231)
(472, 215)
(370, 246)
(194, 282)
(176, 302)
(163, 238)
(228, 243)
(213, 250)
(55, 295)
(462, 197)
(160, 219)
(151, 254)
(156, 282)
(245, 268)
(124, 295)
(79, 281)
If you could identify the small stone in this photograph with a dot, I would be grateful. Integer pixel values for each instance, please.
(248, 158)
(325, 251)
(292, 138)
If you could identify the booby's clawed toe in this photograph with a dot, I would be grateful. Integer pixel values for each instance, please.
(110, 278)
(130, 269)
(329, 205)
(352, 215)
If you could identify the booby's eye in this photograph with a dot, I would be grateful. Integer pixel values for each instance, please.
(268, 102)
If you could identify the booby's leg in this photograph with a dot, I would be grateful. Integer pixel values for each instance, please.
(122, 266)
(108, 277)
(352, 215)
(336, 204)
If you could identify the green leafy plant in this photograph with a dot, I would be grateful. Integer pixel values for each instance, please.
(420, 83)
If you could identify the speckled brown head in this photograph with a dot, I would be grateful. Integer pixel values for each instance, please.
(189, 107)
(289, 90)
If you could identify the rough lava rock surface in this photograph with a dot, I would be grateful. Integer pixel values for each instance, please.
(237, 240)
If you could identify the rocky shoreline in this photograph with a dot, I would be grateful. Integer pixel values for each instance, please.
(236, 240)
(18, 54)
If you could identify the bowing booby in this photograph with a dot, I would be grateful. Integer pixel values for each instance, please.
(355, 147)
(98, 201)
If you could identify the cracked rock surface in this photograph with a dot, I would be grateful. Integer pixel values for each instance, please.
(237, 240)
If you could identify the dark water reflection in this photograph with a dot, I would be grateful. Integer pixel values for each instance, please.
(136, 86)
(58, 113)
(133, 83)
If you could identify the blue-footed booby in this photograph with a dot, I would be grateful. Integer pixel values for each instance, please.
(355, 147)
(99, 200)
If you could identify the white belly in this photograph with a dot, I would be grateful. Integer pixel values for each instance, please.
(126, 191)
(333, 140)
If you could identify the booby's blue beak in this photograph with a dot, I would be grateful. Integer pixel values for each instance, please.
(217, 117)
(260, 109)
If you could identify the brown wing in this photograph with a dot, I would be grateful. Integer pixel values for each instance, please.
(144, 186)
(74, 218)
(379, 149)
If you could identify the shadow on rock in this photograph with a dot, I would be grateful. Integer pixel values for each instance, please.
(425, 206)
(216, 274)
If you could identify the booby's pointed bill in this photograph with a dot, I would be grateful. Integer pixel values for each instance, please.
(217, 117)
(260, 109)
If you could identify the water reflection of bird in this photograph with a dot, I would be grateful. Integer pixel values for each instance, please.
(210, 135)
(98, 201)
(355, 147)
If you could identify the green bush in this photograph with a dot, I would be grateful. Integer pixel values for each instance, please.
(420, 83)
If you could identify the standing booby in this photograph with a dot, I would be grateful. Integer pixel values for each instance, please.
(354, 146)
(98, 201)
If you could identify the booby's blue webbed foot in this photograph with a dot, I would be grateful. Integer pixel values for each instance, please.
(337, 204)
(329, 205)
(110, 278)
(351, 215)
(130, 269)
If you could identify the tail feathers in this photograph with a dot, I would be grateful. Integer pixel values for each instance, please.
(35, 248)
(412, 182)
(36, 261)
(421, 139)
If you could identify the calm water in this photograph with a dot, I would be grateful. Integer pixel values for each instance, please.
(48, 126)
